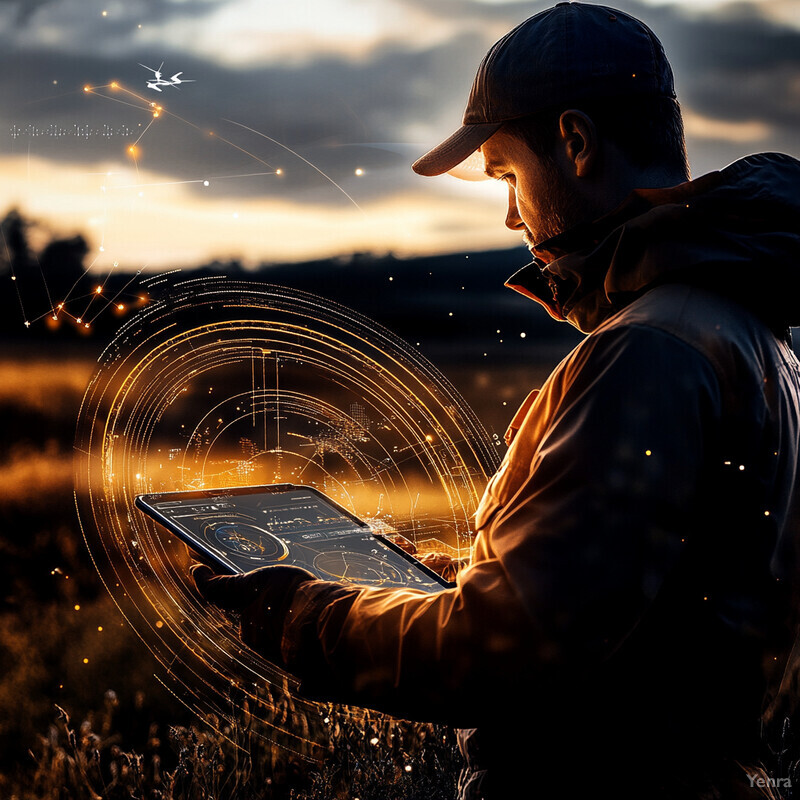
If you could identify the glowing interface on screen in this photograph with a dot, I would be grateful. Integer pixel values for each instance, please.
(298, 527)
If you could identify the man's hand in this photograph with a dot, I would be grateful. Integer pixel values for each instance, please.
(261, 597)
(443, 564)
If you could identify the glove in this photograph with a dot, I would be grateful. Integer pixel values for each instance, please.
(262, 598)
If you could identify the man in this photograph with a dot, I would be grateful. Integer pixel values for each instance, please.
(627, 612)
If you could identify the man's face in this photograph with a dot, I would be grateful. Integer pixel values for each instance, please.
(541, 201)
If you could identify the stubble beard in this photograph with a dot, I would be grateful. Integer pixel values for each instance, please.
(560, 209)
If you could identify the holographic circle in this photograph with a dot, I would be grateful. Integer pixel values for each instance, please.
(247, 540)
(230, 383)
(357, 568)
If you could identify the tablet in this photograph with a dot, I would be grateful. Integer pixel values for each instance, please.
(244, 528)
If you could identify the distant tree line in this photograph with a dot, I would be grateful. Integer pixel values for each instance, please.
(447, 301)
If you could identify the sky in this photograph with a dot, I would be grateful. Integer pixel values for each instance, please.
(293, 133)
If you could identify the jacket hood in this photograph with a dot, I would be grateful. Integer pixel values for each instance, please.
(735, 232)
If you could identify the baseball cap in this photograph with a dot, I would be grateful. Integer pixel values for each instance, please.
(571, 53)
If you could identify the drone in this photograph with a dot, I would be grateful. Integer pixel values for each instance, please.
(157, 81)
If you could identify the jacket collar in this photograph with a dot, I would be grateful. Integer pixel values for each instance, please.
(714, 231)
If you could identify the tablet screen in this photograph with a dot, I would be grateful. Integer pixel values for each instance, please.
(251, 527)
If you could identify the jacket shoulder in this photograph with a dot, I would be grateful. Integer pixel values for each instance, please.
(724, 332)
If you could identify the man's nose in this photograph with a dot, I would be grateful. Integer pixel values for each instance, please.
(513, 219)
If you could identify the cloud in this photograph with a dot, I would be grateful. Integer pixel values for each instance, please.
(735, 65)
(23, 9)
(702, 127)
(83, 12)
(324, 110)
(373, 102)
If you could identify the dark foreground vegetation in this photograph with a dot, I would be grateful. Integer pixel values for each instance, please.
(367, 757)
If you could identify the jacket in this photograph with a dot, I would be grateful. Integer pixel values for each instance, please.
(626, 617)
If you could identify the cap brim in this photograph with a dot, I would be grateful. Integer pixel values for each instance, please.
(452, 151)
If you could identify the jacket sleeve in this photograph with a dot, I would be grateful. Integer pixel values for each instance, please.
(576, 554)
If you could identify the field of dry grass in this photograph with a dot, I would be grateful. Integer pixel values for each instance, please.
(81, 713)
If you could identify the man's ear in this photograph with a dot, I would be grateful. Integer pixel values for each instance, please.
(579, 142)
